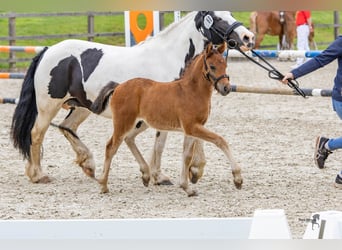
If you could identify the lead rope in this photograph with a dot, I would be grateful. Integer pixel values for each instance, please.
(273, 73)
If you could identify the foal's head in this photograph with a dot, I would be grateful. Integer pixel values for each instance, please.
(215, 68)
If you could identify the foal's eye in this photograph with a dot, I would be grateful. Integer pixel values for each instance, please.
(212, 67)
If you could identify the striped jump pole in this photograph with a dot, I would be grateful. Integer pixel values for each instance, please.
(25, 49)
(9, 100)
(279, 91)
(242, 89)
(6, 75)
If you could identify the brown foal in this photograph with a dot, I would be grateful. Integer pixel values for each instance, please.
(180, 105)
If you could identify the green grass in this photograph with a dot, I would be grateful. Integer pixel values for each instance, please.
(78, 24)
(63, 25)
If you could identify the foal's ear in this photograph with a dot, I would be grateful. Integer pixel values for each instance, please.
(222, 48)
(209, 48)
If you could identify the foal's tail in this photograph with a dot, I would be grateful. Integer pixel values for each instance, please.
(101, 101)
(25, 113)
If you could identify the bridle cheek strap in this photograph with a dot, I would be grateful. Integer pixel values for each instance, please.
(210, 77)
(231, 29)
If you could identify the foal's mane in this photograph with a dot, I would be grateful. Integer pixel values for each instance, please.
(187, 66)
(188, 63)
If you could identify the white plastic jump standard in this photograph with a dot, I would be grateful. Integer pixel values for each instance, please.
(327, 226)
(269, 224)
(132, 229)
(266, 224)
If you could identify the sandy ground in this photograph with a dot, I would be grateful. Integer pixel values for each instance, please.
(271, 136)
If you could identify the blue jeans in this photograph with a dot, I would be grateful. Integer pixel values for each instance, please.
(336, 143)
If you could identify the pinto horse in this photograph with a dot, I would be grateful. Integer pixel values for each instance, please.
(274, 23)
(180, 105)
(74, 69)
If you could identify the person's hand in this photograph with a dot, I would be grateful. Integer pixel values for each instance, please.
(287, 76)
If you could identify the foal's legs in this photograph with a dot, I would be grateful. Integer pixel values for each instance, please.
(144, 167)
(189, 171)
(84, 158)
(197, 158)
(130, 141)
(111, 149)
(201, 132)
(120, 132)
(155, 163)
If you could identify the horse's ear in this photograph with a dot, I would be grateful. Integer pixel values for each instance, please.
(221, 49)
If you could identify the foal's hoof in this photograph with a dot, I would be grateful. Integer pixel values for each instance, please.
(89, 172)
(238, 184)
(104, 187)
(146, 181)
(196, 173)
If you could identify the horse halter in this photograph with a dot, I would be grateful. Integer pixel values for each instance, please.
(208, 76)
(208, 24)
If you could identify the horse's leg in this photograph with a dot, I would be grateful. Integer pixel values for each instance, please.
(258, 40)
(111, 149)
(159, 144)
(84, 157)
(281, 41)
(33, 168)
(192, 152)
(201, 132)
(130, 141)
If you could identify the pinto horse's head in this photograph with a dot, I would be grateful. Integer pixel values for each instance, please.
(221, 26)
(215, 68)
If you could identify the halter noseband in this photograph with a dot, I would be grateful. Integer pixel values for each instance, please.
(208, 76)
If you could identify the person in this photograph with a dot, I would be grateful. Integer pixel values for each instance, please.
(325, 146)
(304, 27)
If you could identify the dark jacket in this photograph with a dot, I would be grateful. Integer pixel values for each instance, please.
(334, 51)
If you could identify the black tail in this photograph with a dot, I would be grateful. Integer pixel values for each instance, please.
(101, 102)
(25, 113)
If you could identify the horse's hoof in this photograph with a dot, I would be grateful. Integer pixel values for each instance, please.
(165, 183)
(100, 181)
(192, 193)
(194, 179)
(189, 191)
(104, 190)
(44, 180)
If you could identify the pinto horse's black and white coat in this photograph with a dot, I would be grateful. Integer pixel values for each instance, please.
(74, 69)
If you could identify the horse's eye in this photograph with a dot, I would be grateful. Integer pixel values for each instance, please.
(212, 67)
